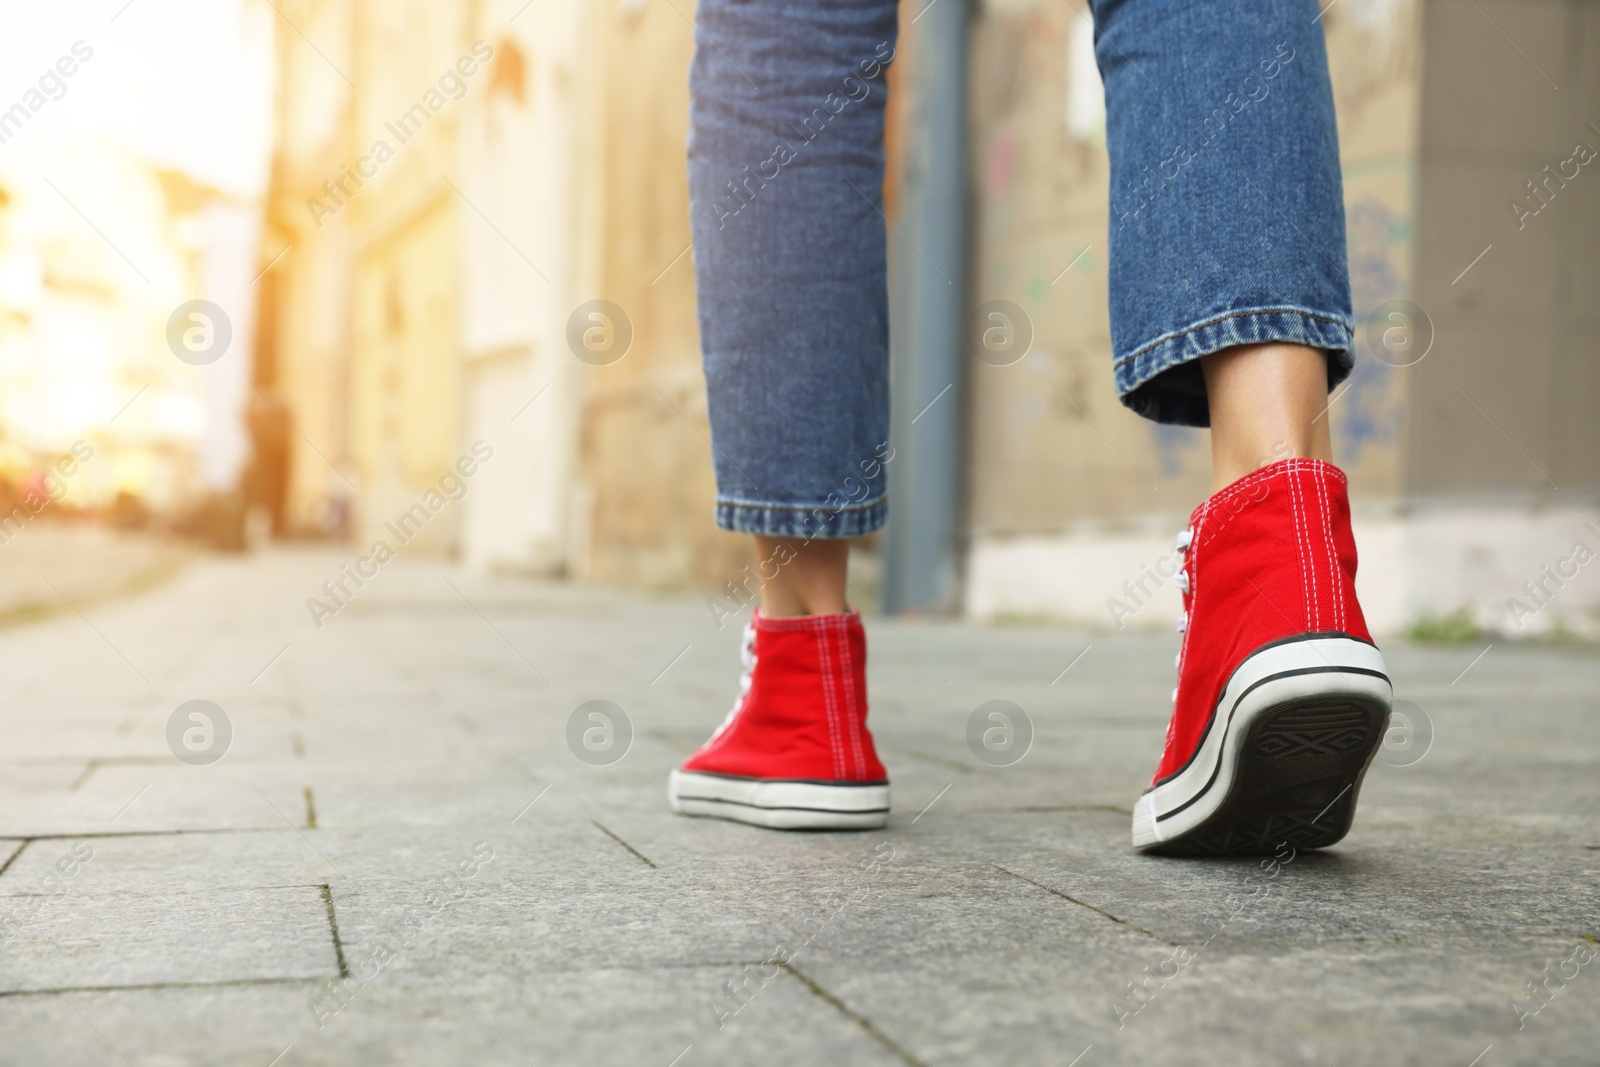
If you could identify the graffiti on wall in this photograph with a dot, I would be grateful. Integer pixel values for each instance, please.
(1370, 413)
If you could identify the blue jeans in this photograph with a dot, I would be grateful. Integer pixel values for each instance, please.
(1227, 228)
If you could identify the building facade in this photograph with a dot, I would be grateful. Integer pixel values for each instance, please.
(515, 270)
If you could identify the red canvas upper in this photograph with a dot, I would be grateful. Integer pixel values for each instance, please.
(1270, 557)
(804, 715)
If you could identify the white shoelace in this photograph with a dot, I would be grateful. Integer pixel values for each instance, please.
(747, 660)
(1181, 546)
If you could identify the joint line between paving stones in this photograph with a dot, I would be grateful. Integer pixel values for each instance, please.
(83, 776)
(151, 833)
(291, 885)
(96, 763)
(230, 983)
(297, 830)
(26, 841)
(884, 1015)
(333, 928)
(147, 986)
(696, 829)
(856, 1017)
(1083, 904)
(646, 859)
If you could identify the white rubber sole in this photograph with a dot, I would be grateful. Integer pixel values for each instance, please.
(781, 805)
(1283, 758)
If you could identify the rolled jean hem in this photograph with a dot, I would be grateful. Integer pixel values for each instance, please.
(808, 521)
(1158, 380)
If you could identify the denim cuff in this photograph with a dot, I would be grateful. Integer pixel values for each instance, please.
(808, 521)
(1161, 379)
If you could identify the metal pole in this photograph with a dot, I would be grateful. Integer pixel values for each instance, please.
(927, 307)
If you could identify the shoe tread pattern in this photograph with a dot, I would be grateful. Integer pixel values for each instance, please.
(1300, 770)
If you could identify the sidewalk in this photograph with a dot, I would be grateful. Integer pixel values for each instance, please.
(47, 567)
(399, 804)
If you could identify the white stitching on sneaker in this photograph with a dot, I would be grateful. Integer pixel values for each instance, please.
(1315, 619)
(828, 703)
(852, 720)
(1308, 591)
(1322, 528)
(1316, 585)
(1333, 556)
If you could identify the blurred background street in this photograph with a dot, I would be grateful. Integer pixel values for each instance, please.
(416, 226)
(350, 387)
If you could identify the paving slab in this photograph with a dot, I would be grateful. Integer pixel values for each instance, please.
(153, 933)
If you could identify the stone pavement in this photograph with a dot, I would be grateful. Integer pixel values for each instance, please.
(48, 567)
(401, 858)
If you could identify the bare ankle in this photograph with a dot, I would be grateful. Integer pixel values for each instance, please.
(1268, 402)
(802, 577)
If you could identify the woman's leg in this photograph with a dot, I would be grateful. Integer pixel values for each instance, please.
(786, 177)
(1230, 306)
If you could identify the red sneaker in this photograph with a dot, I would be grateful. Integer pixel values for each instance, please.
(794, 753)
(1282, 697)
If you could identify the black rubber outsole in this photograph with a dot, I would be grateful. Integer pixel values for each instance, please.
(1300, 770)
